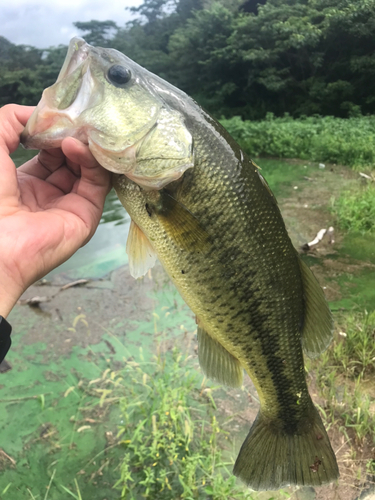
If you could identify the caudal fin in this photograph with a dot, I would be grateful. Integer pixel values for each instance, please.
(270, 458)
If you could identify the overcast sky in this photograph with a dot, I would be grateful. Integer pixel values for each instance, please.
(43, 23)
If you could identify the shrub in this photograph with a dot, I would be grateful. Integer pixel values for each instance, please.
(326, 139)
(355, 211)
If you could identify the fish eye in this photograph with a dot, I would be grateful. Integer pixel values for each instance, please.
(119, 75)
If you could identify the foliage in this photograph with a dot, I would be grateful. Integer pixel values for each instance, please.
(328, 139)
(355, 210)
(26, 71)
(170, 450)
(97, 33)
(235, 57)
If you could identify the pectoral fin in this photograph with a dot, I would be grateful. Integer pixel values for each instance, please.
(216, 362)
(142, 256)
(318, 326)
(184, 228)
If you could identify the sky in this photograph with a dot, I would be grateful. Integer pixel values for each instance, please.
(43, 23)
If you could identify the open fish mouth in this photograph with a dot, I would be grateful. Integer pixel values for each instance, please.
(78, 52)
(74, 107)
(56, 115)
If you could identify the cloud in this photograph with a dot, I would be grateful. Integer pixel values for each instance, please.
(43, 23)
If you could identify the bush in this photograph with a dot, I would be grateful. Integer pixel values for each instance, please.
(355, 211)
(326, 139)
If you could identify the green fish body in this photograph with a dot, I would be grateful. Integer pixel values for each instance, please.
(202, 207)
(220, 236)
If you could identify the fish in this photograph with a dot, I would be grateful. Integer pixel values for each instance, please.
(202, 207)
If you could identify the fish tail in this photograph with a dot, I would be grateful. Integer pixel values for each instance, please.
(271, 458)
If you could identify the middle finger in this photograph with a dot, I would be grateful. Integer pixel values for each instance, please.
(47, 162)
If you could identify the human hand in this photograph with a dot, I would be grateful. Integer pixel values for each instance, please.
(49, 207)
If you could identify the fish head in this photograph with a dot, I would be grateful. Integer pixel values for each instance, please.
(119, 109)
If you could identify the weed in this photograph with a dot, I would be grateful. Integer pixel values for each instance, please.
(357, 414)
(170, 450)
(355, 211)
(317, 138)
(354, 350)
(342, 373)
(370, 467)
(77, 496)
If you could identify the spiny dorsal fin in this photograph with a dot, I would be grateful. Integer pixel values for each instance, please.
(142, 256)
(216, 362)
(318, 326)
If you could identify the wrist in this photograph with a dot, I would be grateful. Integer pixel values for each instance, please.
(6, 306)
(7, 303)
(10, 292)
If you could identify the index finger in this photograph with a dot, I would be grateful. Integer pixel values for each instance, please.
(13, 119)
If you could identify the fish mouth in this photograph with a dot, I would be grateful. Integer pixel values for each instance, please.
(56, 115)
(62, 110)
(78, 52)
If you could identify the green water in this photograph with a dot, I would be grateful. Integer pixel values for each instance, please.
(52, 423)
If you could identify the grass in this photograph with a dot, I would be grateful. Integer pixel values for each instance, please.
(355, 210)
(341, 141)
(345, 376)
(175, 449)
(354, 353)
(171, 440)
(171, 444)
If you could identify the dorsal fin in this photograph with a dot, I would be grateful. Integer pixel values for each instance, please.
(216, 362)
(142, 256)
(318, 325)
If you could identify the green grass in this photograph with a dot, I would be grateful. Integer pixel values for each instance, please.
(355, 210)
(171, 440)
(341, 141)
(354, 353)
(344, 373)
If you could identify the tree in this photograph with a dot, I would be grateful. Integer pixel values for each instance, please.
(244, 57)
(98, 33)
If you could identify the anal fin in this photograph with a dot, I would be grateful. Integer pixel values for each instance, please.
(142, 256)
(216, 362)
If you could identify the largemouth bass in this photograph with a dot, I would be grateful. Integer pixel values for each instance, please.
(202, 207)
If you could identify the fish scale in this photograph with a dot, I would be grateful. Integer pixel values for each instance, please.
(203, 208)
